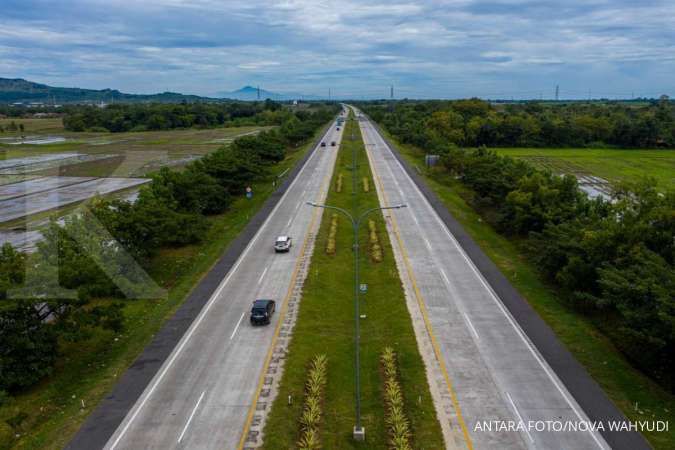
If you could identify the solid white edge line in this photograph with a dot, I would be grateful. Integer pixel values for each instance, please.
(187, 424)
(494, 297)
(186, 337)
(262, 275)
(237, 327)
(515, 408)
(475, 333)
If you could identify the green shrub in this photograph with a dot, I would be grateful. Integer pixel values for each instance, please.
(397, 423)
(312, 408)
(332, 233)
(338, 183)
(375, 247)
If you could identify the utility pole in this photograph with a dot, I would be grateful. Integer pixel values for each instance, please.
(557, 92)
(359, 432)
(391, 92)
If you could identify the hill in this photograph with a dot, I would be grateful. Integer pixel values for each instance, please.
(18, 90)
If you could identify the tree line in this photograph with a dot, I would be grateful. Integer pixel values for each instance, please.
(101, 252)
(611, 260)
(473, 122)
(158, 116)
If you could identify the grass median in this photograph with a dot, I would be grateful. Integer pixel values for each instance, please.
(638, 397)
(326, 325)
(48, 415)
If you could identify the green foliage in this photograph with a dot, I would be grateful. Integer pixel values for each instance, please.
(374, 240)
(397, 423)
(332, 234)
(310, 419)
(12, 268)
(29, 346)
(473, 122)
(338, 183)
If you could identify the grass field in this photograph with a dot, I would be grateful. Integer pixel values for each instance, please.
(614, 165)
(635, 394)
(171, 144)
(48, 415)
(326, 325)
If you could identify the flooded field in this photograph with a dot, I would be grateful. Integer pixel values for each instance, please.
(31, 197)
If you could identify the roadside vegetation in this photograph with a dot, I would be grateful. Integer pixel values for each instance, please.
(312, 410)
(325, 325)
(55, 371)
(614, 165)
(593, 332)
(474, 122)
(130, 117)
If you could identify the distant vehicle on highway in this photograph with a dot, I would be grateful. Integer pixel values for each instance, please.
(323, 144)
(338, 128)
(261, 312)
(332, 144)
(283, 244)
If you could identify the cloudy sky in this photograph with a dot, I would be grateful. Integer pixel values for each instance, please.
(425, 48)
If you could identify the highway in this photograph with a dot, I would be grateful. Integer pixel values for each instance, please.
(489, 364)
(202, 394)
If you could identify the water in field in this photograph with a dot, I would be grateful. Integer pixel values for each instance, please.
(33, 140)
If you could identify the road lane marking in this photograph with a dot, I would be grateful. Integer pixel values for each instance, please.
(445, 277)
(187, 424)
(284, 307)
(290, 221)
(494, 297)
(426, 241)
(237, 327)
(423, 310)
(187, 336)
(263, 275)
(475, 333)
(520, 418)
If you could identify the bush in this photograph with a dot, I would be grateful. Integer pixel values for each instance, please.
(338, 183)
(375, 247)
(311, 416)
(28, 350)
(398, 425)
(332, 234)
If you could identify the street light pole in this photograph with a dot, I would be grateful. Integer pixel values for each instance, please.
(359, 432)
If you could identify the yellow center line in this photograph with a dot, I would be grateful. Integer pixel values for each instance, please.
(425, 315)
(294, 276)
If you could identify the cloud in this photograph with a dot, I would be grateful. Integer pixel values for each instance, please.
(447, 48)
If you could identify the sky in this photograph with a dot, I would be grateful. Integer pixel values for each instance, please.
(355, 48)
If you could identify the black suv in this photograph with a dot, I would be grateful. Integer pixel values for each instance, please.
(261, 312)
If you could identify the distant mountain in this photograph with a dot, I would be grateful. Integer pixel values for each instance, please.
(250, 93)
(18, 90)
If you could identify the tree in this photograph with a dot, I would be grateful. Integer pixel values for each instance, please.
(28, 346)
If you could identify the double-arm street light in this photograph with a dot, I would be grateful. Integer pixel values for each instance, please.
(359, 431)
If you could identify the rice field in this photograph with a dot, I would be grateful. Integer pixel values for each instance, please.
(612, 165)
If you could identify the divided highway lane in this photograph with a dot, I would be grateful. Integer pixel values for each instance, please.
(495, 371)
(201, 395)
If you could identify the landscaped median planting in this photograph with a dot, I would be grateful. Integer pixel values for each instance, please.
(312, 408)
(332, 233)
(366, 185)
(375, 247)
(397, 422)
(338, 183)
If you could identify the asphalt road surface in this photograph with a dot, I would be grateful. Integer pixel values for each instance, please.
(201, 395)
(496, 372)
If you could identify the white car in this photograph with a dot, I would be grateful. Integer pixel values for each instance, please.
(283, 244)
